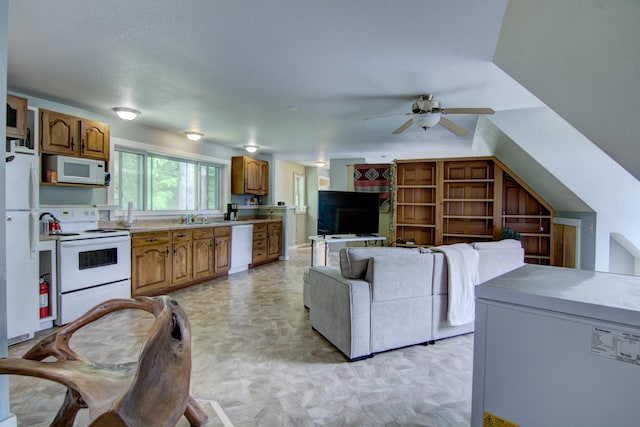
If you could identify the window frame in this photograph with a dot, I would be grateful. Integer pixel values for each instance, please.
(180, 155)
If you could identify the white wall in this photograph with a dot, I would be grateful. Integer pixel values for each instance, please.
(340, 178)
(611, 191)
(283, 180)
(4, 381)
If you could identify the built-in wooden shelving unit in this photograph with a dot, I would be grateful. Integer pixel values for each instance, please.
(448, 201)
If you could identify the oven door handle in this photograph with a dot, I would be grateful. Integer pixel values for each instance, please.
(102, 241)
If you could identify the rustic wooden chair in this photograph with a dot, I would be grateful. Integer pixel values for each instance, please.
(154, 391)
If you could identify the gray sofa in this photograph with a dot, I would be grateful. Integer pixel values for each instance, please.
(385, 298)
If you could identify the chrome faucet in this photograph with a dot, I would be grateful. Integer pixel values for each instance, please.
(193, 219)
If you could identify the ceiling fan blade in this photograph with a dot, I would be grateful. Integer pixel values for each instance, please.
(403, 127)
(454, 128)
(467, 111)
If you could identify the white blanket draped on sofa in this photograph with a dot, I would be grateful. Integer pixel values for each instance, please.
(462, 261)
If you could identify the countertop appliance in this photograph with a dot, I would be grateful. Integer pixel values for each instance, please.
(76, 170)
(241, 247)
(232, 212)
(557, 347)
(21, 218)
(94, 265)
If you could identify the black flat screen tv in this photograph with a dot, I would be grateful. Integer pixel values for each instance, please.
(348, 212)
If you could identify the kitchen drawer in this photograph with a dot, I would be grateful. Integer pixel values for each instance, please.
(222, 231)
(181, 235)
(260, 235)
(258, 255)
(202, 233)
(149, 238)
(259, 228)
(259, 243)
(275, 226)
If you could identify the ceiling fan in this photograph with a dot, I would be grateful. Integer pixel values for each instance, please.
(426, 113)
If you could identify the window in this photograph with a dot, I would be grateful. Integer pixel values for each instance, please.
(155, 182)
(299, 198)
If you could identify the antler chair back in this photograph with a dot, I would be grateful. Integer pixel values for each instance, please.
(152, 392)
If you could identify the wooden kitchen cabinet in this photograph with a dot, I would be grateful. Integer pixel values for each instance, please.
(182, 262)
(267, 242)
(203, 253)
(249, 176)
(58, 133)
(94, 139)
(163, 261)
(150, 262)
(259, 248)
(274, 240)
(16, 117)
(222, 245)
(68, 135)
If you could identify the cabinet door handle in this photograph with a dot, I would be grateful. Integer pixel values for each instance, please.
(72, 144)
(82, 146)
(167, 252)
(151, 240)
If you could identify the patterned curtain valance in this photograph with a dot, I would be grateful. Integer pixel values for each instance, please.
(373, 178)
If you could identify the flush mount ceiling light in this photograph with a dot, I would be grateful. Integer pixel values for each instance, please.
(126, 113)
(320, 164)
(194, 136)
(251, 148)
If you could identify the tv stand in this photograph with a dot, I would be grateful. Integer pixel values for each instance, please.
(342, 238)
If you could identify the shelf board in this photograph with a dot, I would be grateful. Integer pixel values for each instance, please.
(63, 184)
(415, 204)
(419, 186)
(416, 225)
(467, 200)
(535, 234)
(537, 256)
(468, 216)
(527, 216)
(446, 181)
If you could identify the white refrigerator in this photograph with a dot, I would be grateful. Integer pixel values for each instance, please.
(22, 235)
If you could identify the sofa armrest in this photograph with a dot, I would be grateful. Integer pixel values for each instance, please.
(340, 310)
(401, 276)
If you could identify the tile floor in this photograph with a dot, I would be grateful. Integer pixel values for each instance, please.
(254, 354)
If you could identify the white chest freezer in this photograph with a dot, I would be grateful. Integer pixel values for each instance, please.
(557, 347)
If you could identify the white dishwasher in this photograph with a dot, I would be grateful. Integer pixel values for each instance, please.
(241, 247)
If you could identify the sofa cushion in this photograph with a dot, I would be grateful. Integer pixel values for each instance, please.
(354, 261)
(400, 276)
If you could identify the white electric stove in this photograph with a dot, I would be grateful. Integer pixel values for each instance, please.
(94, 264)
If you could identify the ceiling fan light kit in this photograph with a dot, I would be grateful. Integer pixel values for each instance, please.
(426, 113)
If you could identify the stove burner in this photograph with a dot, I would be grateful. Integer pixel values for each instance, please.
(66, 234)
(100, 230)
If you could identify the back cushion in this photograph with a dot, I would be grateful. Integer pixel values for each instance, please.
(354, 261)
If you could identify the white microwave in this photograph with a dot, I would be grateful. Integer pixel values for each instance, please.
(75, 170)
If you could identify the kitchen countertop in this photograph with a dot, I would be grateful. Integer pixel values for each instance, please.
(162, 227)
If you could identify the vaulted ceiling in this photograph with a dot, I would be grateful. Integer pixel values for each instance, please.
(306, 80)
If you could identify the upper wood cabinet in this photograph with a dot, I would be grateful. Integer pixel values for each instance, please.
(249, 176)
(94, 139)
(16, 117)
(73, 136)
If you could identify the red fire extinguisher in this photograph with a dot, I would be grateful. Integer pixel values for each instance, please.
(44, 298)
